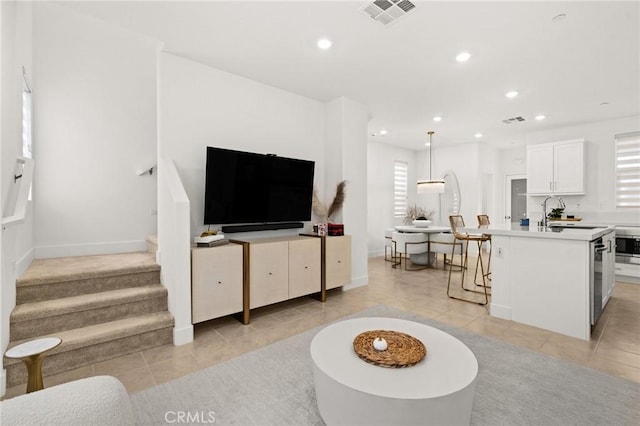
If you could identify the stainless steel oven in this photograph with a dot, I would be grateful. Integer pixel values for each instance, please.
(628, 245)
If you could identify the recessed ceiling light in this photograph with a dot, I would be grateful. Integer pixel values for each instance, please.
(512, 94)
(374, 134)
(324, 43)
(540, 117)
(463, 56)
(604, 103)
(383, 132)
(478, 135)
(437, 118)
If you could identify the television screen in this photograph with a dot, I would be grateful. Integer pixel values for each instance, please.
(245, 187)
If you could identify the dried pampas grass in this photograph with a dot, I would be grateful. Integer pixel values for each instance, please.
(324, 212)
(338, 200)
(317, 206)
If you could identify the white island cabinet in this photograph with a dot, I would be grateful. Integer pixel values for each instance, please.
(544, 277)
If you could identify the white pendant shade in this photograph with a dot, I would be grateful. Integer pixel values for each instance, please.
(430, 186)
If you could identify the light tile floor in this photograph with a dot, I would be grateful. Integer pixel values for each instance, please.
(614, 347)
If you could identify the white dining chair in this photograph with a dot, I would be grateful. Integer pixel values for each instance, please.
(445, 243)
(406, 244)
(388, 245)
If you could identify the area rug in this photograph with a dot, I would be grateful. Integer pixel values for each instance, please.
(274, 386)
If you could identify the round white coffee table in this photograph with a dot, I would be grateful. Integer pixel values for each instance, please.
(439, 390)
(32, 353)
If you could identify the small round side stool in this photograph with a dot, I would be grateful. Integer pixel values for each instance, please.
(32, 353)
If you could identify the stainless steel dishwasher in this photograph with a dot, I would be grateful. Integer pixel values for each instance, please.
(596, 268)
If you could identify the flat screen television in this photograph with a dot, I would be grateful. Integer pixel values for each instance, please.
(245, 187)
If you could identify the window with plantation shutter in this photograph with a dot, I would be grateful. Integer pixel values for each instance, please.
(400, 172)
(628, 170)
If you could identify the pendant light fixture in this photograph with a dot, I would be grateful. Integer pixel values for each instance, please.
(430, 186)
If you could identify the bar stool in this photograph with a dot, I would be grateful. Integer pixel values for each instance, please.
(457, 222)
(407, 243)
(483, 222)
(388, 244)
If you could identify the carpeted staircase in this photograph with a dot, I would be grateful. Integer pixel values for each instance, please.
(101, 307)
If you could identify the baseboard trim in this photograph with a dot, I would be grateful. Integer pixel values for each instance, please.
(46, 252)
(500, 311)
(24, 262)
(358, 282)
(182, 336)
(376, 253)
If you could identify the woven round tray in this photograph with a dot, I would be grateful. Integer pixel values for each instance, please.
(402, 350)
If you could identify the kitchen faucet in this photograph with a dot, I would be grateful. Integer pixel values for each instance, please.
(545, 221)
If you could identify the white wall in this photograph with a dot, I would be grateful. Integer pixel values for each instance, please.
(463, 160)
(95, 124)
(201, 106)
(471, 164)
(598, 203)
(380, 160)
(490, 182)
(346, 145)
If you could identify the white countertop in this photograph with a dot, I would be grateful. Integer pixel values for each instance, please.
(568, 233)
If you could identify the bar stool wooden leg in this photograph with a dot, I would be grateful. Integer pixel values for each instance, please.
(485, 275)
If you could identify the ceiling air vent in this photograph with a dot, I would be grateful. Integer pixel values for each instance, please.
(387, 11)
(513, 120)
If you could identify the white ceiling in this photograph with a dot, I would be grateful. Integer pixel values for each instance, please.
(406, 72)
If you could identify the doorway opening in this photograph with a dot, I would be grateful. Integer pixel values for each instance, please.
(515, 198)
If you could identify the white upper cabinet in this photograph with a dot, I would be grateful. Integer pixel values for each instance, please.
(556, 168)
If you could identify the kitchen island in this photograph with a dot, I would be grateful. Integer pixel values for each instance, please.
(555, 278)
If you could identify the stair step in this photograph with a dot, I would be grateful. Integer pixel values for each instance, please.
(100, 342)
(152, 244)
(37, 318)
(47, 279)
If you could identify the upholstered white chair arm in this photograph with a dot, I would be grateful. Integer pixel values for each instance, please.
(99, 400)
(441, 243)
(410, 243)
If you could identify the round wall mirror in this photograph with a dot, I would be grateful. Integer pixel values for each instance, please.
(450, 199)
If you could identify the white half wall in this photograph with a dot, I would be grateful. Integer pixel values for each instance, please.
(16, 240)
(95, 124)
